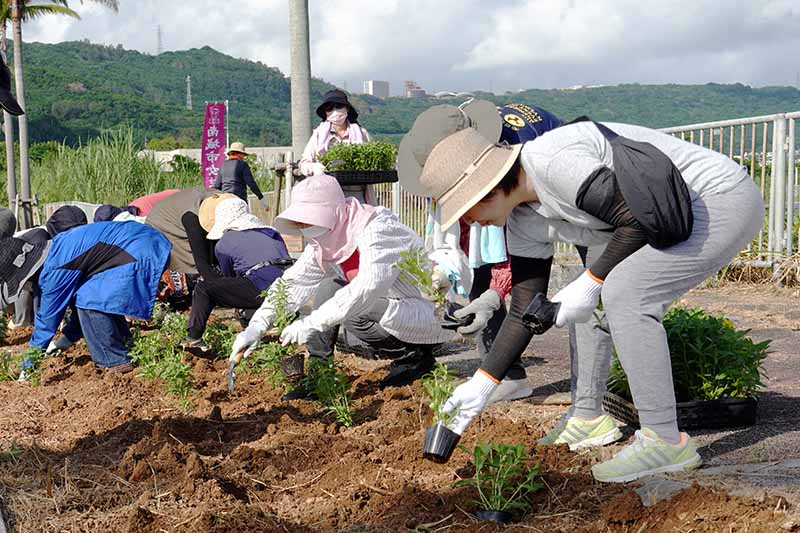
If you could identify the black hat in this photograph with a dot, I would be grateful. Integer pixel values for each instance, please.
(19, 261)
(108, 212)
(64, 218)
(337, 97)
(8, 223)
(7, 100)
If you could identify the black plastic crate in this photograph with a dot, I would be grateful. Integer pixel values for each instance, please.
(698, 414)
(364, 177)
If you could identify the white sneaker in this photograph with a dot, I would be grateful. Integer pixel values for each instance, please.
(511, 389)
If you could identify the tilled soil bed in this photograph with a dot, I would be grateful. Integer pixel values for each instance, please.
(94, 451)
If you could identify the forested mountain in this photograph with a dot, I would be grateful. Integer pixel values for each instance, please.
(74, 90)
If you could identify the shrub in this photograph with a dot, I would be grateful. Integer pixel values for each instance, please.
(376, 155)
(502, 477)
(711, 359)
(439, 385)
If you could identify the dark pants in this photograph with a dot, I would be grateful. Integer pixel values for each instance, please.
(481, 279)
(106, 335)
(365, 327)
(225, 292)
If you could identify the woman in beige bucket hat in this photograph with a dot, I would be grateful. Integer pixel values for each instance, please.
(566, 186)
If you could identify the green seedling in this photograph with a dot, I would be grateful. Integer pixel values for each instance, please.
(267, 360)
(3, 328)
(416, 269)
(710, 358)
(371, 156)
(160, 312)
(11, 454)
(332, 389)
(8, 366)
(32, 365)
(278, 297)
(219, 336)
(439, 385)
(503, 477)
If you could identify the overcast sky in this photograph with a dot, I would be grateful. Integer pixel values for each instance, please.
(469, 44)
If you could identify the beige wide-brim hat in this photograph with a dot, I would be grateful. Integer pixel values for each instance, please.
(462, 169)
(432, 126)
(237, 147)
(208, 208)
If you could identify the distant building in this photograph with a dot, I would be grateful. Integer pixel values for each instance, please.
(377, 88)
(412, 90)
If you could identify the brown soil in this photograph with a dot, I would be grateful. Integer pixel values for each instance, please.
(96, 451)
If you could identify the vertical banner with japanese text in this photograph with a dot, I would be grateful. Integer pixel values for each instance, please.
(214, 135)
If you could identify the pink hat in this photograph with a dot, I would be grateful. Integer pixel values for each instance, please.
(314, 201)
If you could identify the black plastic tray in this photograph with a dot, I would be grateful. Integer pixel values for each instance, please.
(364, 177)
(698, 414)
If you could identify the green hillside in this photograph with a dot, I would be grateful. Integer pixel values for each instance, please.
(76, 90)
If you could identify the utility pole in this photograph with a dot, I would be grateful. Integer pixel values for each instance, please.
(301, 75)
(160, 41)
(189, 93)
(24, 163)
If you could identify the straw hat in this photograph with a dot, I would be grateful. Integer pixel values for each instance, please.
(237, 147)
(464, 168)
(208, 208)
(435, 124)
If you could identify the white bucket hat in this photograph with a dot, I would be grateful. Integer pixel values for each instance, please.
(232, 214)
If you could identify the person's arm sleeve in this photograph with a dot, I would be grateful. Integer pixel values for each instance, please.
(247, 175)
(601, 197)
(57, 288)
(201, 249)
(501, 279)
(218, 181)
(529, 278)
(224, 259)
(309, 156)
(379, 252)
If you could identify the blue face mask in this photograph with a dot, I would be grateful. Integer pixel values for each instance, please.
(313, 232)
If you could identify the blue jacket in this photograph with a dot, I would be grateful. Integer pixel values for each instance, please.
(112, 267)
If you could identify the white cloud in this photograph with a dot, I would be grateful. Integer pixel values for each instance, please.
(473, 44)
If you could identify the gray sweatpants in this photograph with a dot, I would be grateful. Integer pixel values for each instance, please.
(636, 295)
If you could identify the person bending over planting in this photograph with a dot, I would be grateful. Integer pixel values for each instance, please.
(672, 213)
(369, 299)
(251, 255)
(104, 272)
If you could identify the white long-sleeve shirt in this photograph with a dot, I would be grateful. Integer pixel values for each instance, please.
(409, 317)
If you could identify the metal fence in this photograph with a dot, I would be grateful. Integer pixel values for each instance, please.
(766, 147)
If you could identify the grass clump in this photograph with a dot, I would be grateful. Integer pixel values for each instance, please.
(439, 385)
(371, 156)
(416, 269)
(158, 356)
(711, 359)
(332, 388)
(503, 478)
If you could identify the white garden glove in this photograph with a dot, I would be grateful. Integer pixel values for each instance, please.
(58, 345)
(246, 342)
(469, 399)
(297, 332)
(578, 300)
(264, 202)
(315, 169)
(483, 307)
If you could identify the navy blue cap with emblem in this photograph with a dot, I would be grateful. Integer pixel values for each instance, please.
(523, 123)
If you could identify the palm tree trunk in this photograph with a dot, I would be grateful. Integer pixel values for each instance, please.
(8, 131)
(24, 162)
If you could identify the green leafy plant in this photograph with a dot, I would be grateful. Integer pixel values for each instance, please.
(267, 360)
(503, 477)
(278, 297)
(710, 358)
(160, 312)
(10, 453)
(416, 269)
(157, 356)
(377, 155)
(9, 364)
(332, 389)
(439, 385)
(3, 327)
(32, 364)
(219, 336)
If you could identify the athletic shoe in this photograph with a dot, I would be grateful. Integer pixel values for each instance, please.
(511, 389)
(196, 347)
(647, 455)
(579, 434)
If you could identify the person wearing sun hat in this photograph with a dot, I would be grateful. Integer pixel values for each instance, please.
(589, 183)
(373, 302)
(250, 254)
(235, 175)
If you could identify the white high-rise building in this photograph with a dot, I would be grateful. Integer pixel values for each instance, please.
(377, 88)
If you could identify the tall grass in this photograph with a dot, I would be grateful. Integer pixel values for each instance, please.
(106, 170)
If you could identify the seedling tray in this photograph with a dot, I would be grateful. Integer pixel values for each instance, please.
(364, 177)
(697, 414)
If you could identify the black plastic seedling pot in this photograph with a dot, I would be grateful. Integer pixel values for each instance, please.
(498, 517)
(293, 365)
(439, 443)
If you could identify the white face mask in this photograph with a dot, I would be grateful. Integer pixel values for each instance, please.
(337, 117)
(313, 232)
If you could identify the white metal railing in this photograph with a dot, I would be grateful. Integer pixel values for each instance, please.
(765, 145)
